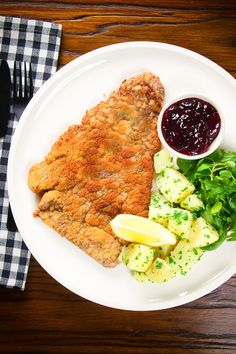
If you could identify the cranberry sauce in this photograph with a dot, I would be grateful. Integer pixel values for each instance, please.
(190, 125)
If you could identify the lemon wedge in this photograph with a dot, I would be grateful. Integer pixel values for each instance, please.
(137, 229)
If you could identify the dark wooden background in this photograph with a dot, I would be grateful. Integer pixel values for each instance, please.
(46, 318)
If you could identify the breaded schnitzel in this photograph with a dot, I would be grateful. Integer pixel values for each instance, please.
(102, 168)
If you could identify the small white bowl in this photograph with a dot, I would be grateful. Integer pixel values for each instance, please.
(214, 145)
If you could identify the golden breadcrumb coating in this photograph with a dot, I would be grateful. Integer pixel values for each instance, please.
(102, 168)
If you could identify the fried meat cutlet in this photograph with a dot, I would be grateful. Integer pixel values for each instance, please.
(101, 168)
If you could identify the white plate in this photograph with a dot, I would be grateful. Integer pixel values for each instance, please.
(62, 101)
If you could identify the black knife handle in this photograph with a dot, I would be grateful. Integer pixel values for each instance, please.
(5, 96)
(11, 225)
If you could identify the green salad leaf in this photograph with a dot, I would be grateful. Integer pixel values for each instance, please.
(215, 180)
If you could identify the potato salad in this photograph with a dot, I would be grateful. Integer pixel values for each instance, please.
(176, 206)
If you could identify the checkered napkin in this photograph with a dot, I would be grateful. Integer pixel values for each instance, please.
(36, 42)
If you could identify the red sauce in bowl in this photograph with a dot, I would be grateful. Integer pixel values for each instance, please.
(190, 125)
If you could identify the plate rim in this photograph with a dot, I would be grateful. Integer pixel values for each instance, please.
(195, 294)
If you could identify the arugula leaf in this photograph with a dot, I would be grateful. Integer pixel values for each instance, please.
(216, 208)
(232, 236)
(215, 180)
(185, 165)
(232, 201)
(204, 166)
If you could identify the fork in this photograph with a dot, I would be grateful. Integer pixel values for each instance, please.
(23, 90)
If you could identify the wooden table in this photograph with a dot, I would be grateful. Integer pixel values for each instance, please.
(47, 318)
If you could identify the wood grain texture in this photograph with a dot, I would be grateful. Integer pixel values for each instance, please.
(47, 318)
(87, 27)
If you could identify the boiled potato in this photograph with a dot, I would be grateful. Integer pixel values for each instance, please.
(180, 222)
(160, 271)
(138, 257)
(140, 277)
(159, 209)
(164, 250)
(192, 202)
(183, 257)
(162, 159)
(202, 233)
(174, 185)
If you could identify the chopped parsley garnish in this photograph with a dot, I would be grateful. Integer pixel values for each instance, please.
(171, 260)
(158, 264)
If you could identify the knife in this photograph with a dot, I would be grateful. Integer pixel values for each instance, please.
(5, 96)
(5, 103)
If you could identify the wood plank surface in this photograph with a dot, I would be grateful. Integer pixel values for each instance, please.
(47, 318)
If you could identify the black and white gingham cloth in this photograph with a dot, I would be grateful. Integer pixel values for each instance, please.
(36, 42)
